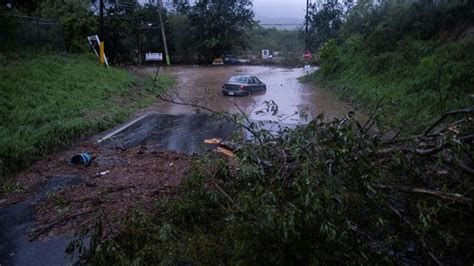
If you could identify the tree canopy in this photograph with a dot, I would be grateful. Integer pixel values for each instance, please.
(218, 26)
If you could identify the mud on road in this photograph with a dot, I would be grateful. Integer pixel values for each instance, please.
(63, 199)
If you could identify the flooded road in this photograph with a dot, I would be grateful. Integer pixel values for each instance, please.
(202, 85)
(167, 126)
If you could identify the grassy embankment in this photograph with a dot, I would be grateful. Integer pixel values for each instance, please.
(419, 64)
(49, 101)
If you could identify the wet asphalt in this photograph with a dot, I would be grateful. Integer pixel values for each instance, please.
(18, 220)
(182, 128)
(183, 133)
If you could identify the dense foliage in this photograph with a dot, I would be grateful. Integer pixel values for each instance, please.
(323, 194)
(218, 26)
(287, 43)
(200, 30)
(48, 101)
(75, 18)
(325, 20)
(417, 57)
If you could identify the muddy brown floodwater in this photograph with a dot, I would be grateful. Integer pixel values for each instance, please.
(202, 85)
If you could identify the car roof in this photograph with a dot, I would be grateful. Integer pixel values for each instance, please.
(242, 75)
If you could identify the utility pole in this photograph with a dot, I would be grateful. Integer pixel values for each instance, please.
(306, 28)
(165, 45)
(101, 37)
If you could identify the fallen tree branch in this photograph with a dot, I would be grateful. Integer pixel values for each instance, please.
(441, 130)
(440, 194)
(232, 201)
(228, 117)
(421, 151)
(433, 150)
(422, 238)
(371, 121)
(250, 123)
(466, 168)
(445, 115)
(35, 233)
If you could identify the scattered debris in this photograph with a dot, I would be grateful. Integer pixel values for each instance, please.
(102, 173)
(117, 181)
(82, 158)
(225, 148)
(225, 151)
(215, 141)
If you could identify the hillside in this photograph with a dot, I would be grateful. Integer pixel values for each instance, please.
(50, 100)
(416, 61)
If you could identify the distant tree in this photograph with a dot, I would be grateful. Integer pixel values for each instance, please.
(76, 18)
(121, 26)
(178, 39)
(131, 29)
(218, 26)
(325, 21)
(285, 41)
(27, 7)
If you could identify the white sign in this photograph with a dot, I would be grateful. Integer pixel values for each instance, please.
(307, 68)
(94, 42)
(265, 54)
(153, 56)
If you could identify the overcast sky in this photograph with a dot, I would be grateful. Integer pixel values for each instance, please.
(277, 8)
(280, 8)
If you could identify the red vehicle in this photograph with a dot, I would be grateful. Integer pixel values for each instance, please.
(308, 55)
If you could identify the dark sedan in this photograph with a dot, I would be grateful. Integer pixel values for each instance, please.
(242, 85)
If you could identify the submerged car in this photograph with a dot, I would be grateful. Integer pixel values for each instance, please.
(242, 85)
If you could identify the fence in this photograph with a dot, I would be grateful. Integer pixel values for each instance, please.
(22, 32)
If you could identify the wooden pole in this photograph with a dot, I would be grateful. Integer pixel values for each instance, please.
(306, 26)
(163, 34)
(102, 52)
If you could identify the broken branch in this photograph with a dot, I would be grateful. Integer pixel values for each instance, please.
(445, 115)
(440, 194)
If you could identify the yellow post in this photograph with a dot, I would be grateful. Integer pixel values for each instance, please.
(102, 54)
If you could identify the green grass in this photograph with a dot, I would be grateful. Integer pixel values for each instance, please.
(417, 81)
(50, 100)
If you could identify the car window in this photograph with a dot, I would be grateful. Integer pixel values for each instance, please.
(252, 80)
(238, 79)
(258, 81)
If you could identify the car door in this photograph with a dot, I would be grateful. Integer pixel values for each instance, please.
(252, 84)
(261, 85)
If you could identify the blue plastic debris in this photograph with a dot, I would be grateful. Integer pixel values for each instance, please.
(81, 158)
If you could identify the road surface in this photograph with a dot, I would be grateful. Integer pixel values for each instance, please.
(182, 128)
